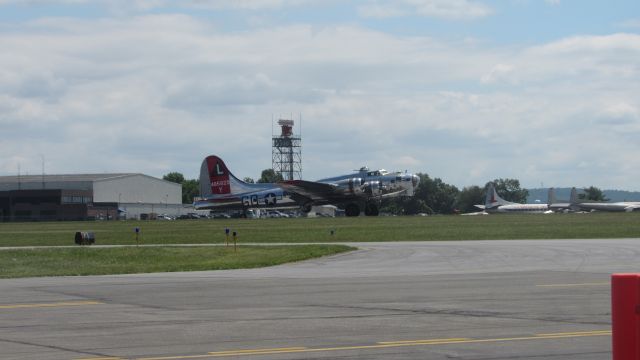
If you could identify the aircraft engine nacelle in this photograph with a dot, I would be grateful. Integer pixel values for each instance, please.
(373, 188)
(351, 186)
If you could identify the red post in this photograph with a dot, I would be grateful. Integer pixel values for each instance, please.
(625, 310)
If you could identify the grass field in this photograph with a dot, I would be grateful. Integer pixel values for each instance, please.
(556, 226)
(94, 261)
(128, 260)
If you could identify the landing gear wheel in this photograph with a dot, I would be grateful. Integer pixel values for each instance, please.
(352, 210)
(305, 209)
(371, 209)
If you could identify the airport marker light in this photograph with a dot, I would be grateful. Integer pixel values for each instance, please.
(235, 237)
(137, 231)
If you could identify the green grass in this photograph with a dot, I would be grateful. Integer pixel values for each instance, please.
(96, 261)
(563, 226)
(128, 260)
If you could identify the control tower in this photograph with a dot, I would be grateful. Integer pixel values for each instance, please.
(286, 152)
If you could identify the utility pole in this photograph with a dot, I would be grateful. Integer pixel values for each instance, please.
(42, 156)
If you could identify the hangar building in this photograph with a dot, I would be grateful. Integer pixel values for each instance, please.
(87, 196)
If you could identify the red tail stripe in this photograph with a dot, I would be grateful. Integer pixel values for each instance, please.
(218, 175)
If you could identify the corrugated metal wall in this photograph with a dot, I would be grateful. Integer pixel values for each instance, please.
(137, 189)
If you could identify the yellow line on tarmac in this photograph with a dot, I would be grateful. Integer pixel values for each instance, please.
(425, 342)
(45, 305)
(381, 345)
(178, 357)
(229, 353)
(575, 285)
(394, 344)
(540, 337)
(257, 351)
(582, 333)
(101, 358)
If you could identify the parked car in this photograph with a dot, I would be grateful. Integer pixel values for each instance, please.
(189, 216)
(220, 216)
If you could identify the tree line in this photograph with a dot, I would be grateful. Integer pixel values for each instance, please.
(433, 196)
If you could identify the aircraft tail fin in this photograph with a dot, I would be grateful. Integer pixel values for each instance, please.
(493, 199)
(216, 179)
(573, 199)
(551, 198)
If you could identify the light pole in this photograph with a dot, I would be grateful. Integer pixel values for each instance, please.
(42, 156)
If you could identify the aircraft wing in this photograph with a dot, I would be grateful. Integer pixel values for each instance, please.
(320, 191)
(310, 189)
(392, 194)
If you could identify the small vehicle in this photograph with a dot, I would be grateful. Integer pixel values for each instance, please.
(281, 214)
(220, 216)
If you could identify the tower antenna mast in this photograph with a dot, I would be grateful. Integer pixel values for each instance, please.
(286, 151)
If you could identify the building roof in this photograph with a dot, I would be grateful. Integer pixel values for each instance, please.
(62, 178)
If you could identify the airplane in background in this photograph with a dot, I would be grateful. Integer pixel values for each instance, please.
(620, 206)
(493, 203)
(362, 191)
(562, 205)
(576, 205)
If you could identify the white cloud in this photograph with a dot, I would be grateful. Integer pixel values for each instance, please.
(382, 10)
(157, 93)
(142, 5)
(500, 72)
(630, 24)
(451, 9)
(589, 44)
(445, 9)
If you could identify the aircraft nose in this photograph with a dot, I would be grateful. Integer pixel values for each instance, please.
(415, 179)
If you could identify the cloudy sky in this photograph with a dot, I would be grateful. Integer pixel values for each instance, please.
(544, 91)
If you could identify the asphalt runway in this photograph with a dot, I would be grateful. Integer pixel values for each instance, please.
(543, 299)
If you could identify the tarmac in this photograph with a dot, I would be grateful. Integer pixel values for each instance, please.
(502, 299)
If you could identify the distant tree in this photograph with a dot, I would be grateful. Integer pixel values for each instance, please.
(175, 177)
(413, 205)
(248, 180)
(509, 189)
(468, 197)
(437, 195)
(190, 189)
(269, 176)
(592, 193)
(392, 206)
(433, 196)
(404, 206)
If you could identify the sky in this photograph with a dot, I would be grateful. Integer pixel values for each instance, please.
(543, 91)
